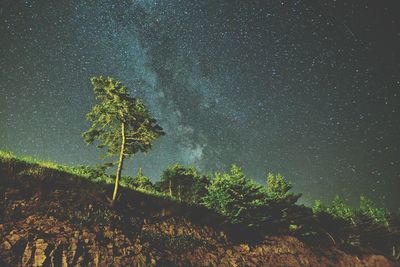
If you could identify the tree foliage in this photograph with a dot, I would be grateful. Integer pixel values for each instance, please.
(369, 209)
(234, 195)
(366, 226)
(120, 123)
(116, 107)
(140, 181)
(184, 183)
(277, 186)
(340, 209)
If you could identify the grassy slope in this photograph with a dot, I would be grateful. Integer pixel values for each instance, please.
(50, 191)
(52, 176)
(58, 205)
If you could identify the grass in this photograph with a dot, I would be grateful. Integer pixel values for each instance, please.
(83, 205)
(36, 168)
(7, 156)
(30, 175)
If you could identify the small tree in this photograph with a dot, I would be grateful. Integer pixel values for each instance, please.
(318, 207)
(374, 226)
(140, 181)
(340, 209)
(369, 209)
(278, 187)
(199, 188)
(235, 196)
(120, 123)
(184, 183)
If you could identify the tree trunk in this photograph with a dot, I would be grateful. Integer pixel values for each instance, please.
(120, 162)
(170, 187)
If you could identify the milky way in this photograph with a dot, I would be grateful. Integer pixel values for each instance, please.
(310, 89)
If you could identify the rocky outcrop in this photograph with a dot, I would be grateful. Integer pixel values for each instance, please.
(46, 241)
(59, 220)
(39, 241)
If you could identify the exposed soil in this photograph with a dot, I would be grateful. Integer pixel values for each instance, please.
(55, 219)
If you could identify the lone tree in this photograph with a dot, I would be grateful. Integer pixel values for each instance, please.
(120, 123)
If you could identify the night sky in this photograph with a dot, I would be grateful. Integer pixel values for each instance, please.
(310, 89)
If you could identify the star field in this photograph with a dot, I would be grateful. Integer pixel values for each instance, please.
(310, 89)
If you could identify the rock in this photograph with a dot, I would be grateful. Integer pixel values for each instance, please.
(27, 255)
(70, 255)
(55, 256)
(139, 260)
(74, 246)
(153, 262)
(245, 247)
(40, 249)
(228, 261)
(79, 261)
(76, 234)
(64, 258)
(13, 238)
(6, 245)
(85, 234)
(96, 258)
(108, 233)
(110, 249)
(138, 248)
(377, 260)
(69, 244)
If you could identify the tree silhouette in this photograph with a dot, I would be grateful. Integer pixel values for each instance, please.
(120, 123)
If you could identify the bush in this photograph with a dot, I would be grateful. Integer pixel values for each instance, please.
(97, 173)
(277, 186)
(375, 214)
(340, 209)
(140, 181)
(367, 226)
(183, 183)
(234, 195)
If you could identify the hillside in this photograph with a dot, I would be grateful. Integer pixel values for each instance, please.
(51, 216)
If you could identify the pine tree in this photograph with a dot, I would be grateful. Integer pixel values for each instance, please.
(140, 181)
(340, 209)
(184, 183)
(375, 214)
(120, 123)
(235, 196)
(278, 187)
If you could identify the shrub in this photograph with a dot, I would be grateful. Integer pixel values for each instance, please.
(140, 181)
(235, 196)
(377, 215)
(183, 183)
(340, 209)
(277, 186)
